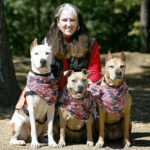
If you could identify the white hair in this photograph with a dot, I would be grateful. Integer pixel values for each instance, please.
(67, 7)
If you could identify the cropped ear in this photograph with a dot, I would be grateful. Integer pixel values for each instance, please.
(45, 42)
(85, 71)
(68, 73)
(122, 56)
(108, 57)
(33, 44)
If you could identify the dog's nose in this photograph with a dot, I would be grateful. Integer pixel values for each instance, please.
(43, 62)
(80, 87)
(118, 73)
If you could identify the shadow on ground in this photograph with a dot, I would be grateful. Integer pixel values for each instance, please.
(139, 86)
(136, 141)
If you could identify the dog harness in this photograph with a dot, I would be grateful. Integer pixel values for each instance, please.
(111, 99)
(44, 87)
(79, 108)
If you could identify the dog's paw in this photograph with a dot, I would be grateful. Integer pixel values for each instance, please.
(89, 143)
(62, 143)
(100, 144)
(35, 144)
(52, 144)
(127, 144)
(17, 142)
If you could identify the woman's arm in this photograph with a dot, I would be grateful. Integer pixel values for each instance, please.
(94, 66)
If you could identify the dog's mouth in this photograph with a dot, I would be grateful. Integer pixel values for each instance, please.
(79, 94)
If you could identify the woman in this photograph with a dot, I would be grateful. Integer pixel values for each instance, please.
(72, 47)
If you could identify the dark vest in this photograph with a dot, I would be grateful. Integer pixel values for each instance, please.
(76, 64)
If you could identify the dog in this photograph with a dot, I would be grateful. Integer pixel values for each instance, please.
(114, 102)
(36, 116)
(75, 108)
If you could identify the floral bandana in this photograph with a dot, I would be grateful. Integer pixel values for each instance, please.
(111, 99)
(44, 87)
(79, 108)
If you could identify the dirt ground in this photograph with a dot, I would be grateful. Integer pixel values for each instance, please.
(138, 80)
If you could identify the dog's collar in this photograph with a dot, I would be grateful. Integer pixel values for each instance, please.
(43, 75)
(104, 80)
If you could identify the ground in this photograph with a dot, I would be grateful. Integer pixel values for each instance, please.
(138, 79)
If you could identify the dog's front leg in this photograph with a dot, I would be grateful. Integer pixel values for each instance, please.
(100, 142)
(34, 141)
(126, 125)
(50, 115)
(89, 131)
(62, 130)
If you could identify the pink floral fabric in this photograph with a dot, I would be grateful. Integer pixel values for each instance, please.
(44, 87)
(79, 108)
(111, 99)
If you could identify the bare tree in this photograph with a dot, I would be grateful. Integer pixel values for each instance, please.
(9, 88)
(144, 28)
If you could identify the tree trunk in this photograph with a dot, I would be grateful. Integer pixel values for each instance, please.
(144, 27)
(9, 88)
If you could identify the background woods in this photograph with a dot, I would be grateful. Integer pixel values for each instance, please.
(9, 89)
(115, 23)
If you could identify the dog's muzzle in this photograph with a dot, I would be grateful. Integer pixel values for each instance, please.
(80, 88)
(118, 74)
(43, 62)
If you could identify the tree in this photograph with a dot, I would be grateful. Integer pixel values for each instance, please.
(144, 27)
(9, 88)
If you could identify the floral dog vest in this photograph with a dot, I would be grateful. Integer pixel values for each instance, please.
(111, 99)
(79, 108)
(44, 87)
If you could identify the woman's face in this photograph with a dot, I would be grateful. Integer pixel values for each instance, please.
(68, 23)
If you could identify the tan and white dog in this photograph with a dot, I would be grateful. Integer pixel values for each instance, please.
(114, 102)
(36, 117)
(76, 107)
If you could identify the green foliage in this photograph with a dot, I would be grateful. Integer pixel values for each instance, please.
(113, 22)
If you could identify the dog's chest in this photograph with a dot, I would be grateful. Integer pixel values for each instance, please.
(111, 118)
(72, 122)
(40, 106)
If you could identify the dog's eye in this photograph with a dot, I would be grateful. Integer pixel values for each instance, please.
(84, 80)
(73, 81)
(47, 53)
(36, 53)
(111, 66)
(122, 66)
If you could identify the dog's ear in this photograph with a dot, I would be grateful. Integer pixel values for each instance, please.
(33, 44)
(108, 57)
(122, 56)
(45, 42)
(68, 73)
(85, 71)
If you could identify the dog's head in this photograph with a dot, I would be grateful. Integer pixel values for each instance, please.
(115, 67)
(41, 57)
(77, 82)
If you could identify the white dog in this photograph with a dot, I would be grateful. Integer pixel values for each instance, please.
(36, 116)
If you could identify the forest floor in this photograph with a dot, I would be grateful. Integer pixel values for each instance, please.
(138, 80)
